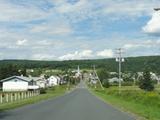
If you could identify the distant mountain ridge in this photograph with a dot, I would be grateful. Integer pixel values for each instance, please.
(133, 64)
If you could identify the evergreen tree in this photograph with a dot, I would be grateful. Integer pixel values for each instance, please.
(103, 76)
(146, 82)
(9, 70)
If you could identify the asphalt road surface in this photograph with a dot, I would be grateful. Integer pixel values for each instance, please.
(79, 104)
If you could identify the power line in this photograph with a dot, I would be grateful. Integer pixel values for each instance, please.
(96, 76)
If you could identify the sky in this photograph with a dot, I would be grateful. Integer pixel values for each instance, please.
(78, 29)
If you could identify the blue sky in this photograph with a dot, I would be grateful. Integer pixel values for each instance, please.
(78, 29)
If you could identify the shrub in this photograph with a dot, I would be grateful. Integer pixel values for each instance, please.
(52, 88)
(146, 82)
(106, 84)
(128, 83)
(42, 91)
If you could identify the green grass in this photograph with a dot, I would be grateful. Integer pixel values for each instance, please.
(52, 92)
(145, 104)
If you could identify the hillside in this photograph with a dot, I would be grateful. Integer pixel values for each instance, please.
(130, 64)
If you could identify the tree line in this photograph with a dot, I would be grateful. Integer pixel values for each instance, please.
(134, 64)
(131, 64)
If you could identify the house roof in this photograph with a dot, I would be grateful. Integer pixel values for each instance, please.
(53, 76)
(37, 78)
(27, 79)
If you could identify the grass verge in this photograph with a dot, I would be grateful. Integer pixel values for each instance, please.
(51, 92)
(145, 104)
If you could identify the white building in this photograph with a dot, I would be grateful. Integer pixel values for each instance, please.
(115, 79)
(40, 81)
(153, 76)
(18, 83)
(113, 73)
(93, 78)
(78, 73)
(53, 81)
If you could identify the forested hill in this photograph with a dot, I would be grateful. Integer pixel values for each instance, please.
(130, 64)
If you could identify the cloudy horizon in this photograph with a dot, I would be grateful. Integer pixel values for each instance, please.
(78, 29)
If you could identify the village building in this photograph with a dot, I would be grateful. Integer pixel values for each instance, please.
(18, 83)
(114, 79)
(53, 81)
(40, 81)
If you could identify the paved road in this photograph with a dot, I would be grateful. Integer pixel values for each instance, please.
(80, 104)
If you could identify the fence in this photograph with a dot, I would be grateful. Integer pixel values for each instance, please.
(7, 97)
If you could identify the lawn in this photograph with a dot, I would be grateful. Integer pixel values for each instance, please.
(141, 103)
(51, 92)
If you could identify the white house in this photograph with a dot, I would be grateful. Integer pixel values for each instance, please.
(18, 83)
(113, 73)
(153, 76)
(93, 81)
(114, 79)
(40, 81)
(53, 81)
(93, 78)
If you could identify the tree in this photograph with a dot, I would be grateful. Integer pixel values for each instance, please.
(8, 71)
(22, 71)
(103, 75)
(146, 81)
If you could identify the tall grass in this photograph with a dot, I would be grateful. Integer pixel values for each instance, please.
(146, 104)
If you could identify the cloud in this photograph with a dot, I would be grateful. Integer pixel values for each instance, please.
(153, 25)
(77, 10)
(106, 53)
(132, 46)
(118, 9)
(14, 12)
(52, 28)
(123, 8)
(42, 56)
(142, 44)
(67, 7)
(21, 42)
(85, 54)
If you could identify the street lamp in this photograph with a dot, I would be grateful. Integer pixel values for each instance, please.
(157, 9)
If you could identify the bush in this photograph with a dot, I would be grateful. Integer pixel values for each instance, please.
(115, 83)
(106, 84)
(128, 83)
(146, 82)
(43, 91)
(52, 88)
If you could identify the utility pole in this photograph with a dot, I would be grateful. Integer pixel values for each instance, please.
(94, 71)
(119, 59)
(157, 9)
